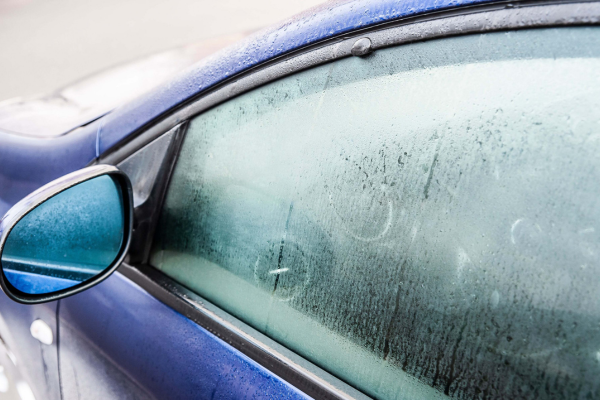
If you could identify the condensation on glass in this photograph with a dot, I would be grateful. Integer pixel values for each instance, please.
(66, 240)
(423, 222)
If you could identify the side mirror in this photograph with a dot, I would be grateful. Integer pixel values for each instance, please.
(66, 236)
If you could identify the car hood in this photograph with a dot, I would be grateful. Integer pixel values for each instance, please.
(86, 100)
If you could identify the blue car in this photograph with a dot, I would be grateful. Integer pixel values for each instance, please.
(374, 199)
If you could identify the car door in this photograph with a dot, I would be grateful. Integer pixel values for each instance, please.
(28, 365)
(417, 223)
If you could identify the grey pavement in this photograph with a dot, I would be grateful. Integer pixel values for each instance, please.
(45, 44)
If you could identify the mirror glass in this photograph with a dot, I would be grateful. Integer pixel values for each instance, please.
(68, 239)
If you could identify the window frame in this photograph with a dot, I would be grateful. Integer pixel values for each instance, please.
(463, 20)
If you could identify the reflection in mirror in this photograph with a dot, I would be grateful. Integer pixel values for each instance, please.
(67, 240)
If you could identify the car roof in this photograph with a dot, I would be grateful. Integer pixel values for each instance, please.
(323, 22)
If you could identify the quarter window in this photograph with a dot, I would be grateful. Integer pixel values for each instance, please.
(423, 222)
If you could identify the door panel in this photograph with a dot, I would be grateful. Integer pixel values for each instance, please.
(36, 363)
(117, 341)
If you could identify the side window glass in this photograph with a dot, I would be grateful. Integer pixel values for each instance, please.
(421, 222)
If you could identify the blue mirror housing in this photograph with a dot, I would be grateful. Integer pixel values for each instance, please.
(66, 236)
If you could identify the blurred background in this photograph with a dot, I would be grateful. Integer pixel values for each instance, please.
(46, 44)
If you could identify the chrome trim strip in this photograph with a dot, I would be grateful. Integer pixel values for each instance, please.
(476, 19)
(26, 205)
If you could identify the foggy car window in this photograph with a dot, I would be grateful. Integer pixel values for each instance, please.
(423, 222)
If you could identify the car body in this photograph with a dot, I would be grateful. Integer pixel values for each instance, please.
(154, 332)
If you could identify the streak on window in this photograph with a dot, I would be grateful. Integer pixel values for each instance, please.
(421, 222)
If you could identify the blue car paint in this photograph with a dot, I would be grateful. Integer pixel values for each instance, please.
(327, 20)
(162, 351)
(28, 163)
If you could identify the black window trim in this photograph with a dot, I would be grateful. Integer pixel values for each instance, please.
(500, 16)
